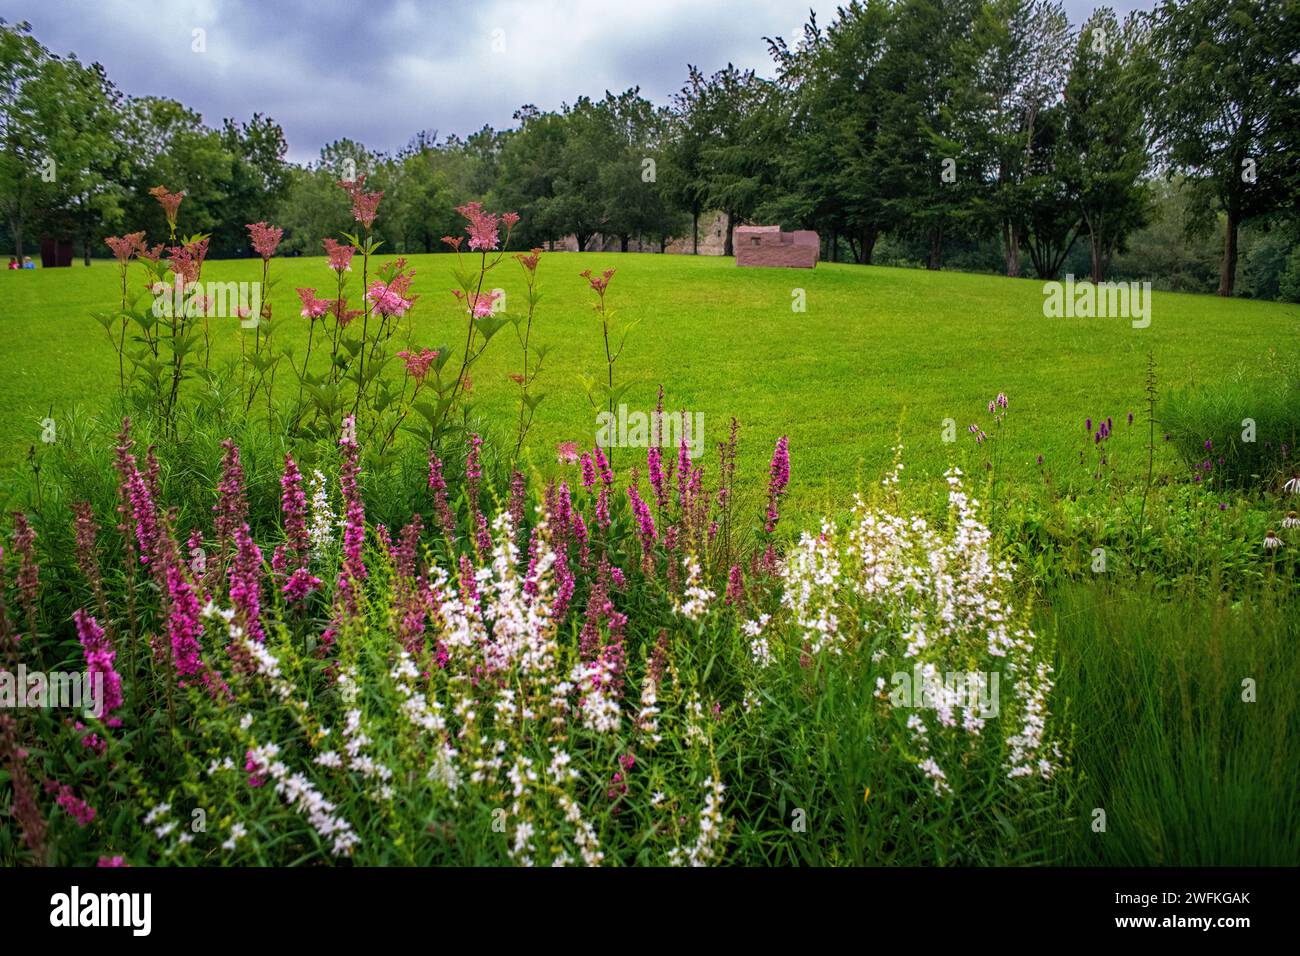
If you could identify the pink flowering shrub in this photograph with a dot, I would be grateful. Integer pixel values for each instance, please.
(165, 323)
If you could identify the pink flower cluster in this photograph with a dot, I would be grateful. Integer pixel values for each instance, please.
(76, 808)
(312, 307)
(364, 205)
(170, 202)
(478, 304)
(187, 260)
(418, 363)
(393, 298)
(601, 282)
(126, 246)
(484, 228)
(265, 238)
(340, 255)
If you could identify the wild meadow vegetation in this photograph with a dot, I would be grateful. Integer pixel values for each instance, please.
(308, 470)
(354, 598)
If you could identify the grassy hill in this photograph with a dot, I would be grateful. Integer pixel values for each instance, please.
(879, 352)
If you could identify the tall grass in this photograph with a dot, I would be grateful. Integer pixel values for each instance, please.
(1187, 771)
(1241, 431)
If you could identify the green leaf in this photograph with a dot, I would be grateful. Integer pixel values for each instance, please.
(490, 325)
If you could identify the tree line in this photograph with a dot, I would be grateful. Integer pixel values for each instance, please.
(990, 133)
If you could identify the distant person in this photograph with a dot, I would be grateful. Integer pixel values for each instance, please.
(28, 264)
(13, 262)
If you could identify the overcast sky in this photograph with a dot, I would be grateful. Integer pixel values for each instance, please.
(324, 71)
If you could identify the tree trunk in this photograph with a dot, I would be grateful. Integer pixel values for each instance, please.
(1098, 257)
(835, 247)
(869, 237)
(663, 245)
(1011, 239)
(695, 232)
(16, 227)
(1228, 267)
(727, 248)
(622, 243)
(582, 241)
(87, 225)
(936, 249)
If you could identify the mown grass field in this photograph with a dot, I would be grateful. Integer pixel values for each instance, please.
(879, 352)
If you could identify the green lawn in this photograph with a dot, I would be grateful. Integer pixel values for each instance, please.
(877, 350)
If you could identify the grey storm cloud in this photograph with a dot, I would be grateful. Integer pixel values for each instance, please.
(379, 72)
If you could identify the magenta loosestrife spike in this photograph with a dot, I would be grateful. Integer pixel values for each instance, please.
(134, 500)
(655, 471)
(473, 477)
(441, 507)
(294, 556)
(28, 577)
(99, 655)
(602, 465)
(352, 569)
(735, 587)
(518, 491)
(779, 477)
(645, 526)
(683, 472)
(183, 624)
(231, 507)
(246, 584)
(565, 585)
